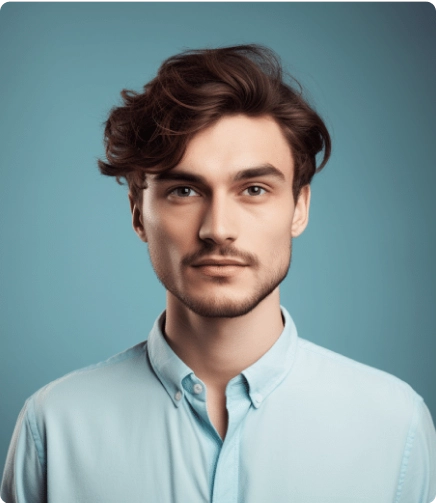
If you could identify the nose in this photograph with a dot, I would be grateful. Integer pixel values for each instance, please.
(218, 224)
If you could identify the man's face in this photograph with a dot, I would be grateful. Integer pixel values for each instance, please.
(219, 225)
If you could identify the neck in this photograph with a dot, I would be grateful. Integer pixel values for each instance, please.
(218, 349)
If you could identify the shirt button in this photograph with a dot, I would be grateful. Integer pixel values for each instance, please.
(198, 388)
(178, 395)
(257, 398)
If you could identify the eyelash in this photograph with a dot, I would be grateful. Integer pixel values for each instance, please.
(257, 187)
(175, 189)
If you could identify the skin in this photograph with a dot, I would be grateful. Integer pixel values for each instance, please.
(229, 199)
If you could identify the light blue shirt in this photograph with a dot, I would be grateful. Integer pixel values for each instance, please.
(306, 425)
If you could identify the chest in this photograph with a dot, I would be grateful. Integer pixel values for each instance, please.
(277, 453)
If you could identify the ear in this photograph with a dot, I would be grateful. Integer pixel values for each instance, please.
(137, 222)
(301, 211)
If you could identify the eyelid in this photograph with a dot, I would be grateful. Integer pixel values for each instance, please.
(260, 185)
(170, 191)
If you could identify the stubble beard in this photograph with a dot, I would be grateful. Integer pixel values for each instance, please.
(219, 307)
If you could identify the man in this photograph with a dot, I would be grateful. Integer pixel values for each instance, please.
(223, 402)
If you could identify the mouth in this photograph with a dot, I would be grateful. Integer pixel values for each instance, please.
(218, 263)
(223, 268)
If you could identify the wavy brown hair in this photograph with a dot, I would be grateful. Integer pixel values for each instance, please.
(194, 89)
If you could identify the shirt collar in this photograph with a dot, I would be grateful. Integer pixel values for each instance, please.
(268, 372)
(170, 369)
(262, 377)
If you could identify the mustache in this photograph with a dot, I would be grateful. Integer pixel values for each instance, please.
(223, 251)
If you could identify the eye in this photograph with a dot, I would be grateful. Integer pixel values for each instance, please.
(255, 190)
(183, 192)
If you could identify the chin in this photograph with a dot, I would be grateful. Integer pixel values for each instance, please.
(220, 309)
(225, 301)
(220, 306)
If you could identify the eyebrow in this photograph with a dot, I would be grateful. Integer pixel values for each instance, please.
(243, 174)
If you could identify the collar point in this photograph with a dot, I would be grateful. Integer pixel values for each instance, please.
(256, 400)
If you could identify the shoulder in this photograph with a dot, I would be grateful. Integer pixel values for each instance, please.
(121, 362)
(91, 386)
(379, 416)
(369, 390)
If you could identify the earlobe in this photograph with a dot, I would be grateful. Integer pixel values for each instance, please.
(137, 223)
(301, 212)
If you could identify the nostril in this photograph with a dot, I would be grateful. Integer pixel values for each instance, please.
(218, 225)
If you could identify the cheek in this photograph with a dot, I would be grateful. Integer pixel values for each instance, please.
(169, 238)
(278, 226)
(277, 238)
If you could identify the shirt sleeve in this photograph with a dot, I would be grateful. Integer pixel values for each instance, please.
(23, 478)
(417, 481)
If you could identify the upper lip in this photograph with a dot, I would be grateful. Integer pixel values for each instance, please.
(218, 261)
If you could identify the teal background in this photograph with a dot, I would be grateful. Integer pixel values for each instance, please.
(76, 283)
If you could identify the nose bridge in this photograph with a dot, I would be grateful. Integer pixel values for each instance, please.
(218, 222)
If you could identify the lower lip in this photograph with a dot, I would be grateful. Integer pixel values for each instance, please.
(220, 270)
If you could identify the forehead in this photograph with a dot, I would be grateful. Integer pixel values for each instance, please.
(237, 142)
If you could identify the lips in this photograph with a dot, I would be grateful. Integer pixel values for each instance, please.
(219, 267)
(220, 271)
(218, 263)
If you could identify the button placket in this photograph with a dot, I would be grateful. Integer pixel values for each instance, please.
(226, 476)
